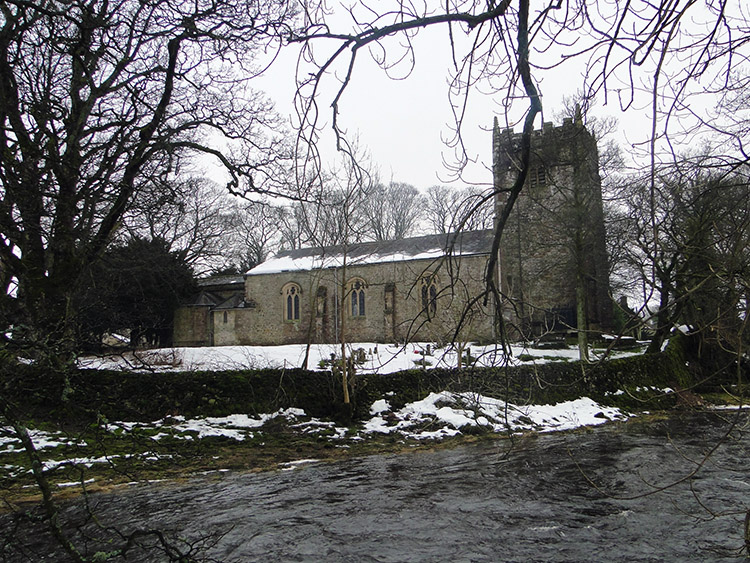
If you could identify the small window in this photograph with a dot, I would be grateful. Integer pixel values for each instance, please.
(390, 297)
(429, 295)
(291, 293)
(537, 177)
(357, 298)
(321, 305)
(226, 317)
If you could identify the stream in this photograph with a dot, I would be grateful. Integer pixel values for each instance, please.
(577, 496)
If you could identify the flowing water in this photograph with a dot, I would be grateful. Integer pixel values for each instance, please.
(556, 497)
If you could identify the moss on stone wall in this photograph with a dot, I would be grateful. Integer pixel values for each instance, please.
(84, 395)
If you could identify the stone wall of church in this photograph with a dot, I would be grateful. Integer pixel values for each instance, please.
(394, 297)
(224, 324)
(192, 326)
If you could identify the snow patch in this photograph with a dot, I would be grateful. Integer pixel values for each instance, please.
(379, 358)
(455, 411)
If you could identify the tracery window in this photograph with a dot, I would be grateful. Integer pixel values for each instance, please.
(291, 293)
(357, 297)
(429, 295)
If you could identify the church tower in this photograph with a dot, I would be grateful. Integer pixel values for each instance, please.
(553, 253)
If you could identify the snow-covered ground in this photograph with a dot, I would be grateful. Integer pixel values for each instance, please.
(437, 416)
(379, 358)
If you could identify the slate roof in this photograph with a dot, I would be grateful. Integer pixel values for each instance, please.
(206, 299)
(221, 282)
(213, 291)
(417, 248)
(234, 302)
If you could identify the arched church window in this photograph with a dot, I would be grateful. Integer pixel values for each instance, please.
(357, 297)
(429, 295)
(291, 293)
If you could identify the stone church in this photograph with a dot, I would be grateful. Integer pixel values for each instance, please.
(389, 291)
(426, 288)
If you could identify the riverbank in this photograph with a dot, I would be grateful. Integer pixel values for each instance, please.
(111, 455)
(94, 429)
(636, 490)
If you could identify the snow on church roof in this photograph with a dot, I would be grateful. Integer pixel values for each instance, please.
(430, 247)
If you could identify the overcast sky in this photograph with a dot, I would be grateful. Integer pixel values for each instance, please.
(404, 120)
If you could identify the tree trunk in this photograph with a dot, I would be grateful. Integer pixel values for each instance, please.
(581, 320)
(48, 328)
(342, 324)
(663, 323)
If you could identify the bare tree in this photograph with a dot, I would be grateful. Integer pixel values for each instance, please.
(393, 211)
(688, 245)
(344, 223)
(449, 209)
(332, 216)
(255, 233)
(335, 210)
(213, 229)
(99, 99)
(440, 208)
(192, 216)
(292, 228)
